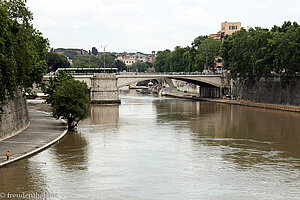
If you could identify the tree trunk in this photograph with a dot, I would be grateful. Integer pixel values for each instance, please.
(70, 126)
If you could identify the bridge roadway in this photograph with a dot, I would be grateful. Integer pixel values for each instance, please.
(206, 80)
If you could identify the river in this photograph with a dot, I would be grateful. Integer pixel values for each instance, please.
(167, 148)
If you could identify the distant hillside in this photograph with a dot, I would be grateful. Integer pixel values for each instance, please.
(71, 53)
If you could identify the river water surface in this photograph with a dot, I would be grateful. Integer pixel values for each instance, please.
(168, 148)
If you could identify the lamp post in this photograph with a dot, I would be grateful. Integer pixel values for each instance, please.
(104, 55)
(89, 58)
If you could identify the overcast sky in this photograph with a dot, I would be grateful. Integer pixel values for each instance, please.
(146, 25)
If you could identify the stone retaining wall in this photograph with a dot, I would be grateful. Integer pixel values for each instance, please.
(268, 91)
(14, 117)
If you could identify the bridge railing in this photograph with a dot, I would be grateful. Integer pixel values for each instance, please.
(172, 73)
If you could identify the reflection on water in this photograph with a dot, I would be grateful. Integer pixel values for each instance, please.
(103, 114)
(166, 148)
(22, 177)
(74, 158)
(254, 135)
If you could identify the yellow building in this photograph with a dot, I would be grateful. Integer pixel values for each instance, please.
(227, 28)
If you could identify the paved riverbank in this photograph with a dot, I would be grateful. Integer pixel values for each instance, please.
(235, 102)
(43, 131)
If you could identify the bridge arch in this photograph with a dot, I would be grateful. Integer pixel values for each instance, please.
(128, 82)
(201, 81)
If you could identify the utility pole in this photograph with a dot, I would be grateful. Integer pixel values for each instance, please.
(89, 58)
(104, 55)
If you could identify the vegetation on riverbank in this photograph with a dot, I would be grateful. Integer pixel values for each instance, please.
(22, 49)
(56, 60)
(248, 54)
(257, 52)
(201, 55)
(68, 98)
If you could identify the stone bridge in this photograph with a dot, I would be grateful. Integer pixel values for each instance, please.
(126, 80)
(210, 85)
(201, 80)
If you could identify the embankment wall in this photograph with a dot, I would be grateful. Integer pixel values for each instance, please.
(268, 91)
(14, 117)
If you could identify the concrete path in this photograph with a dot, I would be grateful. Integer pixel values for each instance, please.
(43, 131)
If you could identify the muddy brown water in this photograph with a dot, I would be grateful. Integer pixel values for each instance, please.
(167, 148)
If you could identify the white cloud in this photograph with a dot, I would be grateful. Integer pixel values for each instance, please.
(294, 9)
(147, 24)
(194, 16)
(262, 5)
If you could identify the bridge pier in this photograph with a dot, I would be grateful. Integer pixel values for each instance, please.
(209, 92)
(104, 89)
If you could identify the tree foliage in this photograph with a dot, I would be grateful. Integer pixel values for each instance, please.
(200, 55)
(22, 49)
(55, 61)
(54, 82)
(71, 102)
(140, 66)
(160, 62)
(256, 53)
(120, 65)
(84, 61)
(68, 97)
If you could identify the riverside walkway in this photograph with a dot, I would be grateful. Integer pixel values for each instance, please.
(193, 96)
(43, 131)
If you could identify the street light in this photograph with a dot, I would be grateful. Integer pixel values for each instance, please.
(104, 55)
(89, 58)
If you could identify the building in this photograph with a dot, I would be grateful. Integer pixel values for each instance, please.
(153, 56)
(227, 28)
(130, 58)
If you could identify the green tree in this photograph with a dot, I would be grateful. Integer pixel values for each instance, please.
(109, 60)
(139, 66)
(254, 53)
(201, 54)
(22, 49)
(207, 51)
(68, 98)
(189, 60)
(71, 102)
(85, 61)
(92, 61)
(285, 50)
(54, 82)
(225, 48)
(55, 61)
(120, 65)
(175, 62)
(198, 41)
(246, 55)
(70, 53)
(160, 61)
